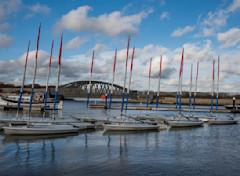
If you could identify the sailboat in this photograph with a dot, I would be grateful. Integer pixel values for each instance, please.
(216, 120)
(129, 126)
(159, 120)
(186, 122)
(42, 129)
(24, 101)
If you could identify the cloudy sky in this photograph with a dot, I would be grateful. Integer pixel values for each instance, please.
(204, 28)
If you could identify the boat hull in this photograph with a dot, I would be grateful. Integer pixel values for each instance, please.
(185, 123)
(222, 122)
(40, 130)
(129, 127)
(14, 105)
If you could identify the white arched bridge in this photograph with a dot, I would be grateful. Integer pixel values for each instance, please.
(98, 88)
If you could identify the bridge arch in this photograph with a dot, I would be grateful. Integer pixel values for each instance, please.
(79, 88)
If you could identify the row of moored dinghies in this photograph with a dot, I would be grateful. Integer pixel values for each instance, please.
(67, 126)
(179, 120)
(41, 126)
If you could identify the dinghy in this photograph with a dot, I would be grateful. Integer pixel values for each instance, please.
(40, 130)
(216, 120)
(13, 104)
(183, 121)
(129, 127)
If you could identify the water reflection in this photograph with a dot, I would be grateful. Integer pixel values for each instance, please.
(185, 151)
(33, 139)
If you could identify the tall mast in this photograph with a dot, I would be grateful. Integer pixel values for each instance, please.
(179, 79)
(195, 92)
(159, 76)
(48, 75)
(23, 80)
(212, 86)
(190, 91)
(58, 78)
(181, 76)
(218, 84)
(34, 75)
(125, 75)
(130, 76)
(114, 66)
(149, 78)
(90, 81)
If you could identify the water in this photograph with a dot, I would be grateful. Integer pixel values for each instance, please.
(208, 150)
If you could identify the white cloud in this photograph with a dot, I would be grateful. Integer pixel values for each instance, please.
(75, 43)
(77, 67)
(182, 31)
(234, 6)
(38, 9)
(8, 7)
(4, 27)
(194, 52)
(214, 21)
(229, 38)
(164, 15)
(5, 41)
(113, 24)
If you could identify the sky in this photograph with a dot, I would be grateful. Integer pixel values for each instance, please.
(205, 29)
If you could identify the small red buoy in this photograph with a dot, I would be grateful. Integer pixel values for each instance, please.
(103, 97)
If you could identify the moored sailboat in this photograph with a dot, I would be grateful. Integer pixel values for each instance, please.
(217, 120)
(42, 129)
(183, 121)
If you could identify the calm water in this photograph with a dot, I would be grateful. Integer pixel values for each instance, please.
(208, 150)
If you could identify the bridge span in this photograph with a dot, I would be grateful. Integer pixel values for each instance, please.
(98, 88)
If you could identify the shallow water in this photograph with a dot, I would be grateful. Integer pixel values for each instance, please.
(208, 150)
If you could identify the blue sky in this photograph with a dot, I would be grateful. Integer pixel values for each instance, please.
(204, 28)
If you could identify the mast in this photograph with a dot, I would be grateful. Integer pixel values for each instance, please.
(190, 91)
(179, 79)
(34, 75)
(195, 92)
(58, 78)
(149, 78)
(23, 80)
(90, 81)
(181, 76)
(130, 76)
(114, 66)
(48, 75)
(212, 86)
(217, 84)
(125, 75)
(160, 70)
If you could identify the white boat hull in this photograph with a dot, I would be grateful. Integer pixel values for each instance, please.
(185, 123)
(49, 105)
(222, 122)
(129, 127)
(40, 130)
